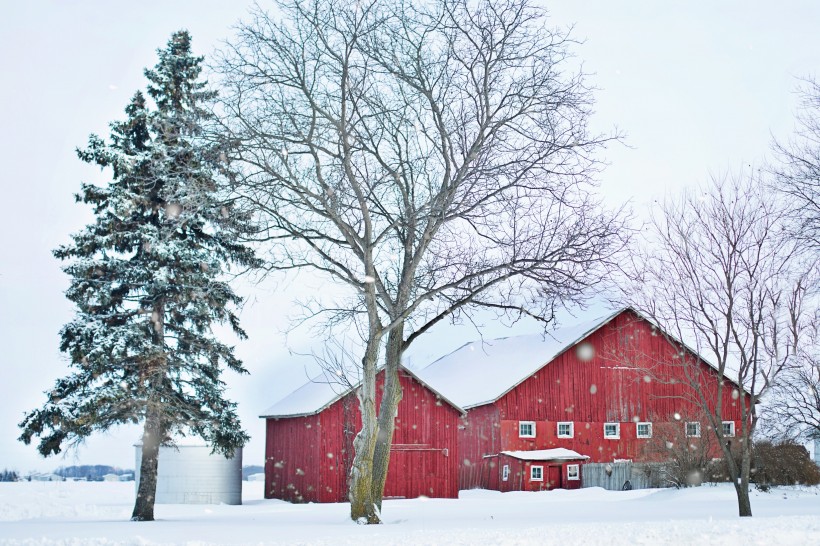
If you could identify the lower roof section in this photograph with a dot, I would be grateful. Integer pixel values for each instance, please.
(555, 454)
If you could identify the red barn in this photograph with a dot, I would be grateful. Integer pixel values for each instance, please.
(603, 389)
(309, 443)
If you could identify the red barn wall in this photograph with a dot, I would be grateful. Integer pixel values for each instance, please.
(292, 459)
(424, 456)
(479, 434)
(634, 375)
(308, 459)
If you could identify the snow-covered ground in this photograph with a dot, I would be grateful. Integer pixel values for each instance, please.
(73, 513)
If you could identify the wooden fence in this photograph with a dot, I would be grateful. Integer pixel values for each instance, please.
(619, 476)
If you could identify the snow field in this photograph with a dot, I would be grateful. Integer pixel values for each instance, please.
(75, 513)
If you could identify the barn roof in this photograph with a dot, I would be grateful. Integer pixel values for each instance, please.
(480, 372)
(471, 375)
(556, 454)
(320, 392)
(310, 398)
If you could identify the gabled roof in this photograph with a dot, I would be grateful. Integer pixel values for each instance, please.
(310, 398)
(470, 374)
(555, 454)
(319, 393)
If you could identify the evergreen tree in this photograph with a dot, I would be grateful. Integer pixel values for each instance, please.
(147, 277)
(9, 475)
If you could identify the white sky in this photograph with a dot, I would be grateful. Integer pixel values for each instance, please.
(698, 87)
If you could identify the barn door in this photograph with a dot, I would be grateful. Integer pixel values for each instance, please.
(554, 477)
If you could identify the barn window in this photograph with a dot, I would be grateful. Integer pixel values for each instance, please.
(612, 431)
(505, 473)
(526, 429)
(573, 472)
(537, 473)
(565, 430)
(693, 429)
(729, 429)
(644, 430)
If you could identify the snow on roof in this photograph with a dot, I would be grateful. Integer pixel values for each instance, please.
(310, 398)
(556, 454)
(481, 372)
(477, 373)
(319, 393)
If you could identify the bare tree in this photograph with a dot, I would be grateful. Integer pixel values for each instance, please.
(797, 170)
(795, 407)
(685, 459)
(718, 275)
(793, 410)
(433, 159)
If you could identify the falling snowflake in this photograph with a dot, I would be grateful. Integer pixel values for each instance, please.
(585, 352)
(173, 210)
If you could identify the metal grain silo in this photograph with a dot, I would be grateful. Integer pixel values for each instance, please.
(190, 474)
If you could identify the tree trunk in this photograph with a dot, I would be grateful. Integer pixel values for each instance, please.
(362, 508)
(744, 504)
(153, 431)
(146, 492)
(387, 412)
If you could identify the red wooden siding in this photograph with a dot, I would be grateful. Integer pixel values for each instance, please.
(516, 480)
(613, 386)
(588, 439)
(308, 458)
(424, 456)
(292, 474)
(479, 435)
(634, 375)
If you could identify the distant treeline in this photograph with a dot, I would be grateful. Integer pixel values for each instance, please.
(92, 473)
(96, 472)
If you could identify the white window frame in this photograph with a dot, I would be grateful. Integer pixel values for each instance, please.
(686, 429)
(532, 472)
(571, 429)
(731, 433)
(523, 423)
(505, 473)
(638, 429)
(570, 469)
(617, 435)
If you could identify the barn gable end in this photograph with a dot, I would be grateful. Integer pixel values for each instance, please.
(308, 457)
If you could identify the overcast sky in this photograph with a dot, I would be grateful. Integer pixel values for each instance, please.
(697, 87)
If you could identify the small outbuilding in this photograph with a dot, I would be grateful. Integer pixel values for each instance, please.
(189, 473)
(540, 470)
